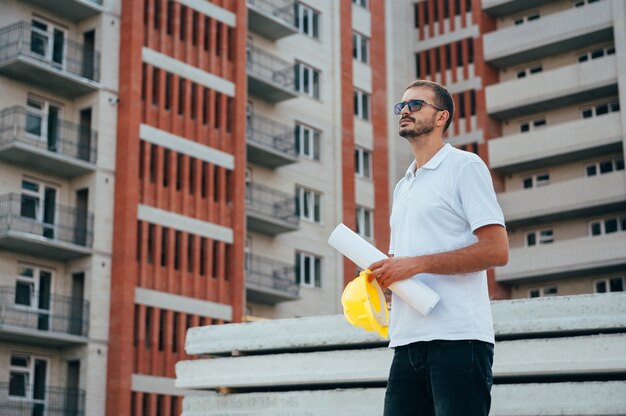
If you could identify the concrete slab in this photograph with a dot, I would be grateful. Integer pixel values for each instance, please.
(585, 398)
(532, 358)
(512, 319)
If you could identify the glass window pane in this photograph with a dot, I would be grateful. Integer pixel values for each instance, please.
(587, 113)
(528, 183)
(598, 53)
(306, 142)
(583, 58)
(357, 161)
(23, 293)
(366, 106)
(318, 272)
(619, 164)
(615, 106)
(616, 284)
(592, 170)
(316, 145)
(596, 228)
(606, 166)
(316, 24)
(307, 270)
(317, 214)
(610, 226)
(366, 164)
(531, 239)
(30, 186)
(306, 208)
(534, 293)
(18, 384)
(602, 109)
(601, 286)
(523, 128)
(550, 291)
(29, 206)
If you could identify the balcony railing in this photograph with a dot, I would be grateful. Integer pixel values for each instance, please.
(271, 202)
(282, 9)
(74, 10)
(21, 40)
(270, 77)
(36, 400)
(68, 225)
(65, 138)
(43, 312)
(270, 143)
(275, 276)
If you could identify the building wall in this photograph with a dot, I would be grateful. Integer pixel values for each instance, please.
(89, 349)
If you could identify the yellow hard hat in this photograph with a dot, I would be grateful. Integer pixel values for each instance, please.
(364, 305)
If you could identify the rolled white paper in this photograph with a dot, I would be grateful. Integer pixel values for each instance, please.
(350, 244)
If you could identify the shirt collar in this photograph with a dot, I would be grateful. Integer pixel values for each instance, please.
(434, 161)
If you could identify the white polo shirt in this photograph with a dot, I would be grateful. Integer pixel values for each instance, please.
(437, 209)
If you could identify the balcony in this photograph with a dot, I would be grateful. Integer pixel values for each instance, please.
(272, 19)
(573, 198)
(42, 60)
(567, 258)
(35, 399)
(269, 281)
(74, 10)
(57, 321)
(66, 232)
(572, 29)
(502, 8)
(270, 144)
(269, 77)
(562, 143)
(60, 148)
(269, 211)
(569, 85)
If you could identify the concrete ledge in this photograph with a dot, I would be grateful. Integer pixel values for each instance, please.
(587, 398)
(532, 358)
(560, 315)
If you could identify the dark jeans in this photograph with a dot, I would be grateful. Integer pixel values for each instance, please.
(442, 378)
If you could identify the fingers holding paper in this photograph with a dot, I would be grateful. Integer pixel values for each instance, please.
(391, 270)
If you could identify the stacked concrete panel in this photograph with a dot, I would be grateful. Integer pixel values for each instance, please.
(558, 355)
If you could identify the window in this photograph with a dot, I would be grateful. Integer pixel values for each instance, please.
(536, 180)
(520, 20)
(607, 225)
(308, 205)
(612, 284)
(597, 53)
(361, 105)
(32, 291)
(537, 237)
(600, 109)
(581, 3)
(48, 42)
(360, 48)
(43, 121)
(362, 163)
(604, 166)
(306, 20)
(307, 80)
(308, 270)
(364, 219)
(542, 291)
(307, 142)
(38, 202)
(527, 126)
(362, 3)
(534, 69)
(28, 376)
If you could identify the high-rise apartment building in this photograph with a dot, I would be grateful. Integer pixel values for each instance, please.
(246, 132)
(58, 78)
(538, 87)
(558, 85)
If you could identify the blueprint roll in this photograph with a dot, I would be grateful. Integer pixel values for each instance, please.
(350, 244)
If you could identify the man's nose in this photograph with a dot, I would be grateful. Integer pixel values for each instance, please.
(405, 110)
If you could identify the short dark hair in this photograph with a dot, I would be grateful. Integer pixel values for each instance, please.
(443, 99)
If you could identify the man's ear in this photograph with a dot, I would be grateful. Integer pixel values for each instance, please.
(443, 117)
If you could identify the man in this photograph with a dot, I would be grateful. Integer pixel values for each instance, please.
(446, 231)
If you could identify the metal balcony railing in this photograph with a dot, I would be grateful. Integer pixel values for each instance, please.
(282, 9)
(44, 312)
(69, 225)
(263, 200)
(271, 274)
(269, 68)
(64, 138)
(40, 400)
(22, 40)
(280, 137)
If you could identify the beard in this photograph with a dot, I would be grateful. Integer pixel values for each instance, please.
(419, 129)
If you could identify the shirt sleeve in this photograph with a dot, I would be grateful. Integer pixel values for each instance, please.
(478, 198)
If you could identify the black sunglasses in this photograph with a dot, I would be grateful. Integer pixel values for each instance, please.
(414, 105)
